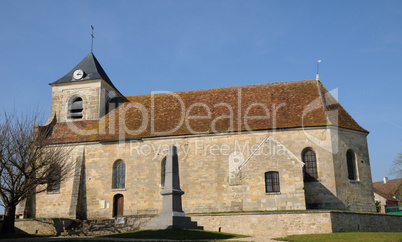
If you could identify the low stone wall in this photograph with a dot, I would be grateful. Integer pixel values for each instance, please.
(273, 224)
(79, 228)
(43, 226)
(345, 222)
(278, 224)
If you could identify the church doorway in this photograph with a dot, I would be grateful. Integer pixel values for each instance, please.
(118, 205)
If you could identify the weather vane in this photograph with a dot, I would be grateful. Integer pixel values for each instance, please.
(92, 42)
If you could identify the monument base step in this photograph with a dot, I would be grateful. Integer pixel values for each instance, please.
(174, 222)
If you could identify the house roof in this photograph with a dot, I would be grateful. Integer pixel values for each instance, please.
(92, 69)
(230, 109)
(387, 190)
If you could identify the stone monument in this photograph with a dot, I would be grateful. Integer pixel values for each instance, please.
(172, 215)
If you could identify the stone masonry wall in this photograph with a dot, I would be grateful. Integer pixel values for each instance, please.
(42, 226)
(217, 173)
(344, 222)
(279, 224)
(356, 195)
(204, 172)
(89, 92)
(272, 224)
(58, 204)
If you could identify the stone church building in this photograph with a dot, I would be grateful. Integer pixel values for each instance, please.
(275, 146)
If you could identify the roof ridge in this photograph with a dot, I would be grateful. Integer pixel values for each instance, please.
(322, 102)
(222, 88)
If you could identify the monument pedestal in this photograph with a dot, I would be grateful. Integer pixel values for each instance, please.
(172, 215)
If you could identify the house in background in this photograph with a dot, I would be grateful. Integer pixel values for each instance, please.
(388, 193)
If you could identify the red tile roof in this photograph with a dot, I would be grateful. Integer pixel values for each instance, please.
(387, 190)
(230, 109)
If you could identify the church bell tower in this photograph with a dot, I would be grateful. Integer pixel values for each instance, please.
(84, 93)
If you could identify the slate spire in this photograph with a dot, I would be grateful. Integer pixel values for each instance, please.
(91, 70)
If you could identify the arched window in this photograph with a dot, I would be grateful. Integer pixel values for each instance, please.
(350, 159)
(272, 181)
(75, 108)
(54, 178)
(119, 175)
(310, 165)
(163, 171)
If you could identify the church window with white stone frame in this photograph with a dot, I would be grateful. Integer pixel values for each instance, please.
(350, 160)
(272, 181)
(75, 108)
(310, 165)
(119, 175)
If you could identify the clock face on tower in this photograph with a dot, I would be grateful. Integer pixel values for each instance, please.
(78, 74)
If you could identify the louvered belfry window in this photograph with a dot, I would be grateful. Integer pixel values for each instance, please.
(310, 165)
(75, 108)
(272, 181)
(119, 174)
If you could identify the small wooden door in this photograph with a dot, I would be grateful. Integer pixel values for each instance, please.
(118, 205)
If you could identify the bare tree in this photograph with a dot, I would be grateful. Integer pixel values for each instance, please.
(28, 162)
(396, 168)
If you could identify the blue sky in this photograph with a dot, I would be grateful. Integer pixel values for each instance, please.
(147, 46)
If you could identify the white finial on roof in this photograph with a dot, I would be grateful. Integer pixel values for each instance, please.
(317, 77)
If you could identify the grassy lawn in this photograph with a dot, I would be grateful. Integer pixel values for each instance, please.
(182, 234)
(345, 236)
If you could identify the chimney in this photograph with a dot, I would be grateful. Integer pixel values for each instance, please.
(385, 179)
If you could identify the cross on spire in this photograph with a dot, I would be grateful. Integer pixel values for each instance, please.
(92, 35)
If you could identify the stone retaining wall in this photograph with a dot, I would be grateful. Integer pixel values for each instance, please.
(53, 226)
(273, 224)
(277, 224)
(342, 222)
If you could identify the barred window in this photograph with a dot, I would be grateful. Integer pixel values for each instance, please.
(119, 174)
(272, 181)
(310, 165)
(54, 176)
(75, 108)
(350, 160)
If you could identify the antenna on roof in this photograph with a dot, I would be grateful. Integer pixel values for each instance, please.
(317, 77)
(92, 42)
